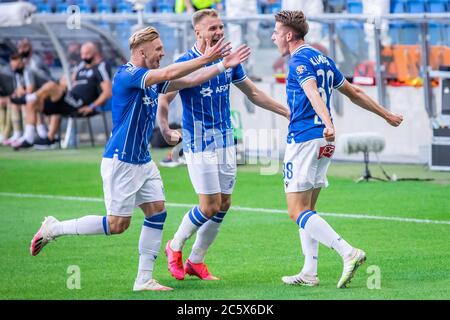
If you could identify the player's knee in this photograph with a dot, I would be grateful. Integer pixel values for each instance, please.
(226, 204)
(119, 226)
(211, 209)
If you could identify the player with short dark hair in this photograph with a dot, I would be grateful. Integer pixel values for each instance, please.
(310, 143)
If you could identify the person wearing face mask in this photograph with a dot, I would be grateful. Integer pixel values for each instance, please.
(91, 88)
(36, 75)
(130, 176)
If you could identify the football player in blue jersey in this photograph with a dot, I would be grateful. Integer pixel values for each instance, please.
(209, 148)
(130, 177)
(310, 143)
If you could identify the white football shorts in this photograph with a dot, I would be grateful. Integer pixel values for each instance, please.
(212, 171)
(305, 165)
(126, 185)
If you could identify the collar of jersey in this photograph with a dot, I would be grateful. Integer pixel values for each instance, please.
(303, 46)
(131, 64)
(196, 51)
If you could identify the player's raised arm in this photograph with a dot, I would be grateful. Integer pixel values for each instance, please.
(172, 137)
(177, 70)
(360, 98)
(313, 94)
(261, 99)
(200, 76)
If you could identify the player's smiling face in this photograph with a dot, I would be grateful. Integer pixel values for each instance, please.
(279, 37)
(210, 28)
(152, 53)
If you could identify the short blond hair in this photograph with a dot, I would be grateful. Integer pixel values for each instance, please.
(201, 14)
(141, 36)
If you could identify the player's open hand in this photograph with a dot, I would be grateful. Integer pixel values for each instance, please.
(220, 50)
(394, 119)
(329, 134)
(234, 58)
(172, 137)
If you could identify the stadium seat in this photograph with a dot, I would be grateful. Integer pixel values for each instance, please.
(437, 32)
(104, 8)
(125, 7)
(437, 6)
(416, 6)
(398, 6)
(354, 6)
(166, 6)
(43, 8)
(336, 5)
(275, 7)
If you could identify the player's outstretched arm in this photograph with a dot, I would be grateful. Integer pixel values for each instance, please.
(200, 76)
(172, 137)
(261, 99)
(178, 70)
(311, 91)
(360, 98)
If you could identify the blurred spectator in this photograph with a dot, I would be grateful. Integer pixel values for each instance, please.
(18, 68)
(73, 54)
(194, 5)
(91, 89)
(6, 89)
(243, 10)
(264, 5)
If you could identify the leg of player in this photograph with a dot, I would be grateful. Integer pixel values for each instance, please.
(192, 221)
(321, 231)
(303, 202)
(205, 237)
(149, 246)
(88, 225)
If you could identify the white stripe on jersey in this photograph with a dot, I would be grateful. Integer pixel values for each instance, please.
(239, 80)
(135, 133)
(143, 138)
(193, 121)
(103, 72)
(203, 123)
(212, 115)
(144, 78)
(128, 131)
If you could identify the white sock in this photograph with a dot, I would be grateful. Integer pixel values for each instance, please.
(41, 131)
(191, 222)
(149, 245)
(83, 226)
(310, 249)
(29, 133)
(205, 237)
(31, 97)
(320, 230)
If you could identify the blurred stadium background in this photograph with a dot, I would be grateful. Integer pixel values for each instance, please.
(402, 58)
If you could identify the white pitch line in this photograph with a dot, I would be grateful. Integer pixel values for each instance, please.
(235, 208)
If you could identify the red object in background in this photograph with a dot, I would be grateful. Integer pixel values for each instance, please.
(280, 77)
(365, 73)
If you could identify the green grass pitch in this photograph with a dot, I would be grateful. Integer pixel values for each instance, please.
(253, 250)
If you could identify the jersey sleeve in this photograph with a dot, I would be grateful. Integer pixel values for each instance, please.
(303, 70)
(162, 87)
(239, 74)
(102, 72)
(134, 77)
(338, 77)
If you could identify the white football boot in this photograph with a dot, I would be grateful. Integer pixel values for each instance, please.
(43, 236)
(351, 264)
(301, 280)
(150, 285)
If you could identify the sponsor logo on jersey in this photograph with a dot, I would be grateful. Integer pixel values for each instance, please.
(326, 151)
(206, 92)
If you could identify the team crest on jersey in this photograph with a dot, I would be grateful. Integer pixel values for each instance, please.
(301, 69)
(326, 151)
(147, 101)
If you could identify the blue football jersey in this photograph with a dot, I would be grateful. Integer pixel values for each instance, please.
(308, 63)
(133, 114)
(206, 109)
